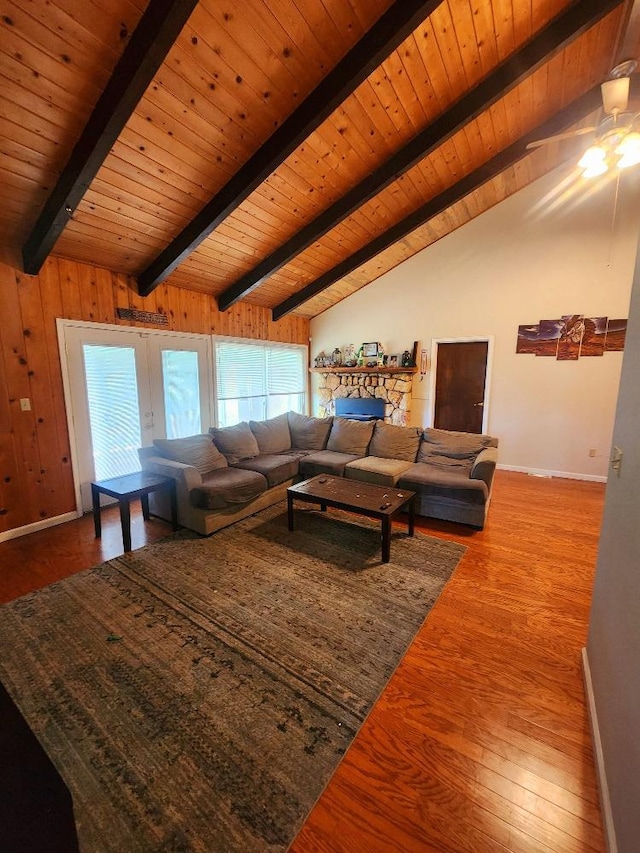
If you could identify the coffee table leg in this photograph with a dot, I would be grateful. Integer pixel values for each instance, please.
(290, 512)
(386, 539)
(125, 522)
(95, 499)
(411, 517)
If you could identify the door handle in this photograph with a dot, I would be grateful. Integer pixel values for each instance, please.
(479, 404)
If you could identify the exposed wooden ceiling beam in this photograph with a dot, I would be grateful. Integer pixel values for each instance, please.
(549, 41)
(157, 30)
(580, 108)
(395, 25)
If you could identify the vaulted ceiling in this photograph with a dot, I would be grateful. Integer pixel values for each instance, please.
(283, 152)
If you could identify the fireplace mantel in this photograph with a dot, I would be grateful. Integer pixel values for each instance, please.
(372, 371)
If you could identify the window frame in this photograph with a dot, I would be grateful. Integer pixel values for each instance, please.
(264, 344)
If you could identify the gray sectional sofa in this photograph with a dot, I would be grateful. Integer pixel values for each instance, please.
(233, 472)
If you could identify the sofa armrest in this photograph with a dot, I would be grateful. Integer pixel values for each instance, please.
(485, 465)
(186, 476)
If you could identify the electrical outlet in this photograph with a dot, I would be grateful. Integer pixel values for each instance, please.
(25, 404)
(593, 452)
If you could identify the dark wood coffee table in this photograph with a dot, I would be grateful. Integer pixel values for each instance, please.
(366, 499)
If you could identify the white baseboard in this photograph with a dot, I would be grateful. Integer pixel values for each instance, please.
(543, 472)
(37, 525)
(605, 801)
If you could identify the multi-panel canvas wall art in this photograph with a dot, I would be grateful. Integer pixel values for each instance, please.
(571, 337)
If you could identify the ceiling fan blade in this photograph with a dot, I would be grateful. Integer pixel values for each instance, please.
(560, 136)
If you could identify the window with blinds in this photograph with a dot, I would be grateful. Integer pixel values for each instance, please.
(257, 380)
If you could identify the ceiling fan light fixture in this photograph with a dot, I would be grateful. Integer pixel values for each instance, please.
(615, 95)
(593, 158)
(628, 150)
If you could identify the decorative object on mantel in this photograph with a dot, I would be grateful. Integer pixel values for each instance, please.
(141, 316)
(406, 358)
(393, 361)
(350, 359)
(572, 336)
(423, 364)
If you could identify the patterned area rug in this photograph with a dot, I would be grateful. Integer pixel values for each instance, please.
(197, 694)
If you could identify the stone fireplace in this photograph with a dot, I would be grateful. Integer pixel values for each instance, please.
(393, 386)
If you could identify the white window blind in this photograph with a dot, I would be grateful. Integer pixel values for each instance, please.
(112, 396)
(256, 380)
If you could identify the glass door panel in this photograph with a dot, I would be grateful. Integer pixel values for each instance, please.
(181, 390)
(180, 368)
(113, 408)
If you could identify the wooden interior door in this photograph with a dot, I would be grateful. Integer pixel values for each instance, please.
(461, 371)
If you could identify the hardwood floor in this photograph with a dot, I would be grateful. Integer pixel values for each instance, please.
(481, 740)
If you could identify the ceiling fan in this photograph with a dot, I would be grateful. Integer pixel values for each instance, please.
(617, 135)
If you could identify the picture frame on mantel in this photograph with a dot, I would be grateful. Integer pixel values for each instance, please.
(370, 350)
(393, 361)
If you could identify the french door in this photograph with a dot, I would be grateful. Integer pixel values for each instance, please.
(125, 387)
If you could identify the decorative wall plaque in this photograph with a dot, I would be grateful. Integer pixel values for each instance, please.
(141, 316)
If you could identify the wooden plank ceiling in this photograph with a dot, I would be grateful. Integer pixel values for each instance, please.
(431, 137)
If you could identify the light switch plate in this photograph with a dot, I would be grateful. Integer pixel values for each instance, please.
(25, 404)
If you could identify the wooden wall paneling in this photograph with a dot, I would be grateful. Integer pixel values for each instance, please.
(106, 311)
(88, 287)
(51, 298)
(54, 494)
(12, 498)
(19, 386)
(138, 302)
(173, 303)
(162, 302)
(70, 289)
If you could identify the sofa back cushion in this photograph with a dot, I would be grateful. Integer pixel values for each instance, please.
(454, 445)
(236, 442)
(395, 442)
(308, 433)
(196, 450)
(273, 436)
(349, 436)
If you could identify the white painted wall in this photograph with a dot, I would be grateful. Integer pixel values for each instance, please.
(516, 264)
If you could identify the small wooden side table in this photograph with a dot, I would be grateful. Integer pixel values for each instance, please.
(125, 489)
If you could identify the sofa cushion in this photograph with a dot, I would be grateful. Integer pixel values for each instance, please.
(308, 433)
(227, 487)
(395, 442)
(377, 470)
(450, 481)
(199, 451)
(236, 442)
(325, 462)
(273, 436)
(276, 468)
(348, 436)
(455, 445)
